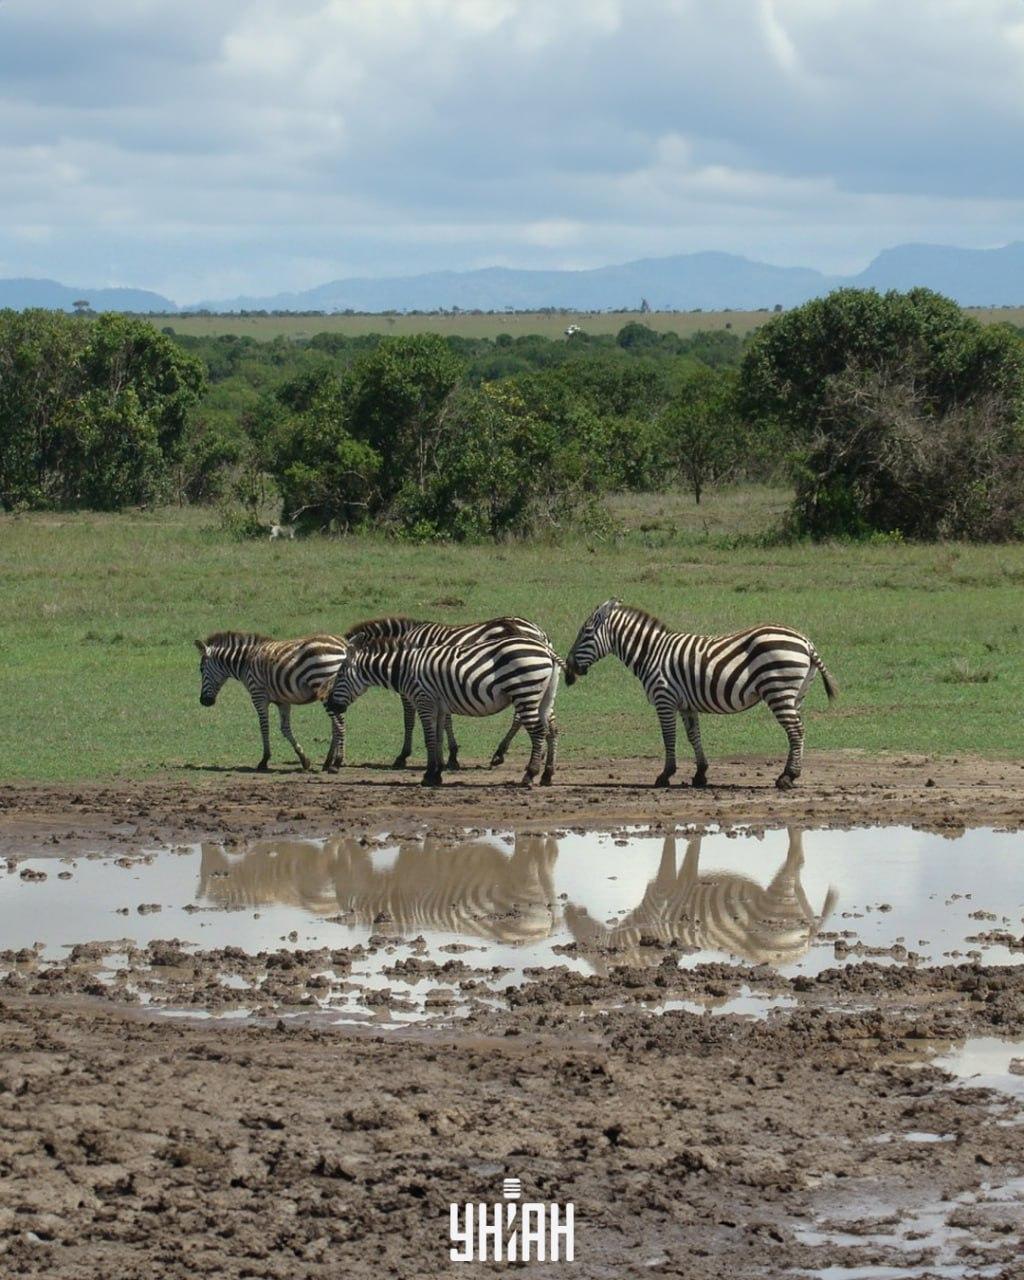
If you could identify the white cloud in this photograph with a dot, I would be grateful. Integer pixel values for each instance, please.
(276, 144)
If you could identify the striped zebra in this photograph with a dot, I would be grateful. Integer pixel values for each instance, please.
(467, 680)
(418, 635)
(284, 672)
(690, 674)
(713, 911)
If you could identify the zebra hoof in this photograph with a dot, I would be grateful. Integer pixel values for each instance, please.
(431, 780)
(399, 762)
(527, 780)
(699, 780)
(661, 780)
(453, 763)
(306, 765)
(262, 767)
(497, 760)
(785, 782)
(545, 778)
(331, 768)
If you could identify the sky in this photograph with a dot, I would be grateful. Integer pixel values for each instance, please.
(207, 148)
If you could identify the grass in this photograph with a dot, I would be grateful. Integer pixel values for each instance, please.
(517, 324)
(98, 614)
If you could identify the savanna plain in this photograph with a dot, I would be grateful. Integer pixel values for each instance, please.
(274, 1025)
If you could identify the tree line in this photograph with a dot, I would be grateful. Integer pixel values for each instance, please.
(892, 413)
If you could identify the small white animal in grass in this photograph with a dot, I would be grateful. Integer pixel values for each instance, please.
(282, 531)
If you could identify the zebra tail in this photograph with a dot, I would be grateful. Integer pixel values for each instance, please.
(827, 679)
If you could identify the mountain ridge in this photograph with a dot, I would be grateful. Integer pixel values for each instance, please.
(707, 280)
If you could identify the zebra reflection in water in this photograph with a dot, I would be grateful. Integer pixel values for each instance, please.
(473, 890)
(715, 911)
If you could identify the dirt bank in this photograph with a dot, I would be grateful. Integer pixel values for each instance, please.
(838, 789)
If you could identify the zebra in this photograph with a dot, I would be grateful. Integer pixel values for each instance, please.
(417, 634)
(474, 680)
(285, 672)
(689, 674)
(713, 911)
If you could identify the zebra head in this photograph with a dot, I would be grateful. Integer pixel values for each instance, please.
(594, 641)
(349, 682)
(213, 671)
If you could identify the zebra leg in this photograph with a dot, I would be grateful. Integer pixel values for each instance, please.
(261, 711)
(409, 717)
(549, 763)
(666, 708)
(285, 712)
(336, 751)
(692, 726)
(538, 731)
(503, 745)
(432, 720)
(786, 709)
(453, 746)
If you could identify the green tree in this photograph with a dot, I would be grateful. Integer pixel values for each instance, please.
(952, 358)
(395, 400)
(703, 436)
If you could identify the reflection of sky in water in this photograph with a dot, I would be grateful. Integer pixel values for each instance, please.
(288, 885)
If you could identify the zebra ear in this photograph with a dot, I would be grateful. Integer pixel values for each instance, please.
(603, 610)
(199, 645)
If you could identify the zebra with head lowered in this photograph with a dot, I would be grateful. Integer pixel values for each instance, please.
(457, 679)
(417, 635)
(688, 674)
(285, 672)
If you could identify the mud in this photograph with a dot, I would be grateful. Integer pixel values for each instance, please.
(176, 1103)
(840, 789)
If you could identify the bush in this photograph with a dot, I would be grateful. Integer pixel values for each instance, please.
(885, 459)
(93, 410)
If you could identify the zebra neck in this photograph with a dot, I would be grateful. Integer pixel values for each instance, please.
(384, 669)
(634, 651)
(238, 661)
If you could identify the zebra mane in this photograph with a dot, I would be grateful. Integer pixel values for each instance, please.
(223, 638)
(376, 644)
(380, 625)
(632, 612)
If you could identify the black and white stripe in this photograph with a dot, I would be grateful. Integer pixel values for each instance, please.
(688, 674)
(714, 911)
(286, 673)
(457, 679)
(418, 635)
(471, 890)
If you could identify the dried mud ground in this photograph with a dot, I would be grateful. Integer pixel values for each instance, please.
(839, 789)
(821, 1139)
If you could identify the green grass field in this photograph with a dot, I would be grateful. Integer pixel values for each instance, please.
(99, 613)
(518, 325)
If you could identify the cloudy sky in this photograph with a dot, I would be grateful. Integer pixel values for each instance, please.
(206, 148)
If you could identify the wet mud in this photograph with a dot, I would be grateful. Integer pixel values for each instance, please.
(245, 1035)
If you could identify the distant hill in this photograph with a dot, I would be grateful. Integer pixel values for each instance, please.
(973, 277)
(20, 294)
(710, 281)
(685, 282)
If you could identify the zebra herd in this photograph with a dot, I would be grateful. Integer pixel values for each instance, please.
(439, 670)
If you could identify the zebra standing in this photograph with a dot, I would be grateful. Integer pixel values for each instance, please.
(285, 672)
(474, 680)
(418, 635)
(688, 674)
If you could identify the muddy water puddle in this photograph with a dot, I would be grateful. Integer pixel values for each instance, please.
(432, 928)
